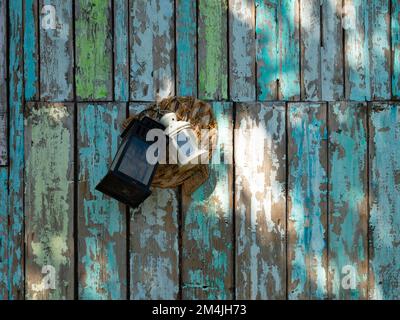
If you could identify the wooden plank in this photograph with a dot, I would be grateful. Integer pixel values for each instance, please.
(267, 34)
(289, 50)
(152, 49)
(121, 50)
(332, 51)
(384, 220)
(56, 52)
(212, 49)
(31, 50)
(348, 212)
(94, 55)
(207, 239)
(310, 46)
(49, 201)
(242, 74)
(186, 48)
(395, 23)
(101, 220)
(3, 234)
(154, 237)
(307, 202)
(260, 196)
(3, 84)
(15, 249)
(367, 70)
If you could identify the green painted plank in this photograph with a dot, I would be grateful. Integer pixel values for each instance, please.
(3, 84)
(260, 200)
(31, 50)
(384, 220)
(307, 201)
(3, 233)
(49, 201)
(289, 50)
(102, 241)
(186, 48)
(15, 248)
(212, 49)
(395, 23)
(207, 239)
(367, 50)
(154, 237)
(242, 74)
(94, 55)
(56, 52)
(267, 34)
(310, 46)
(121, 50)
(348, 212)
(152, 49)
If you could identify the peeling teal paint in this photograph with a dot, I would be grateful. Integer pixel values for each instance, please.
(3, 233)
(30, 51)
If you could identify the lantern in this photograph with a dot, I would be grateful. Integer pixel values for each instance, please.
(183, 139)
(130, 175)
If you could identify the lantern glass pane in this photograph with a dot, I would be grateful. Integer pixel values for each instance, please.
(134, 163)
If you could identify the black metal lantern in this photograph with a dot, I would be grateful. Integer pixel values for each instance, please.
(131, 174)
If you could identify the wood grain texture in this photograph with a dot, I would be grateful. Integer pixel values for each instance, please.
(307, 202)
(310, 45)
(267, 34)
(332, 60)
(49, 200)
(348, 211)
(207, 239)
(121, 50)
(384, 220)
(152, 49)
(94, 53)
(186, 48)
(260, 196)
(367, 41)
(31, 50)
(15, 248)
(395, 37)
(101, 220)
(212, 49)
(57, 53)
(3, 233)
(3, 84)
(242, 46)
(154, 234)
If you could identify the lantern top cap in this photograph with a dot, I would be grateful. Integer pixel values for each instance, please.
(172, 125)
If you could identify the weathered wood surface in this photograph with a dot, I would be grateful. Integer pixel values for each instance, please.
(307, 201)
(367, 51)
(207, 226)
(31, 50)
(121, 50)
(3, 84)
(242, 46)
(152, 49)
(15, 247)
(3, 233)
(260, 200)
(154, 237)
(278, 50)
(56, 51)
(395, 37)
(186, 48)
(213, 49)
(348, 212)
(94, 50)
(384, 220)
(102, 241)
(49, 201)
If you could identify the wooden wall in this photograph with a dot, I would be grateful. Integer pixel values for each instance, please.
(308, 194)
